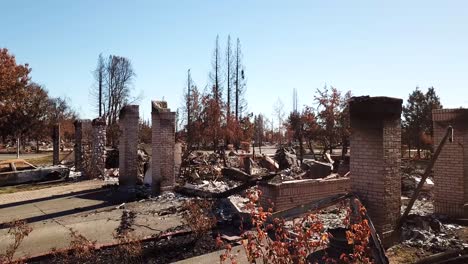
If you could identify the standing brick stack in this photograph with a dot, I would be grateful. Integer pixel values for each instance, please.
(163, 141)
(128, 148)
(56, 144)
(78, 148)
(82, 136)
(451, 168)
(375, 158)
(98, 156)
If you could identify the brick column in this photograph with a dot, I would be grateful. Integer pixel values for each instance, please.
(128, 147)
(98, 154)
(163, 140)
(451, 168)
(375, 158)
(56, 144)
(78, 148)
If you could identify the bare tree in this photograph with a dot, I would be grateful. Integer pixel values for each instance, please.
(119, 78)
(114, 77)
(188, 103)
(215, 107)
(191, 109)
(60, 110)
(100, 75)
(229, 76)
(278, 110)
(215, 75)
(259, 130)
(239, 82)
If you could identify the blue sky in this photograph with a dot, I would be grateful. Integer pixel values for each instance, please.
(369, 47)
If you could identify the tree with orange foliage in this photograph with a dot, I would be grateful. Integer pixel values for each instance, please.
(13, 81)
(303, 126)
(211, 120)
(344, 124)
(329, 112)
(310, 126)
(26, 110)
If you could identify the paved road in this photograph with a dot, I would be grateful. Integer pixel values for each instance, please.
(24, 156)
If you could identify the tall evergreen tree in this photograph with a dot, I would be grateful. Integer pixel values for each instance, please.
(417, 114)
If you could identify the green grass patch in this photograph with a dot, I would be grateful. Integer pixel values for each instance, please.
(46, 160)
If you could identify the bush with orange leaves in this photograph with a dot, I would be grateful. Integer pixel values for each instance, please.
(358, 235)
(278, 241)
(197, 215)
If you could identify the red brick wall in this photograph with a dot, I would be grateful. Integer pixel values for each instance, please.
(163, 142)
(294, 193)
(450, 169)
(375, 162)
(128, 146)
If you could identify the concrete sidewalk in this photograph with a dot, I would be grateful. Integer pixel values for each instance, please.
(214, 257)
(68, 188)
(90, 212)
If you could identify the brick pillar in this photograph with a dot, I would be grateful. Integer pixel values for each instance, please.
(163, 140)
(451, 168)
(128, 148)
(56, 144)
(375, 159)
(78, 148)
(98, 152)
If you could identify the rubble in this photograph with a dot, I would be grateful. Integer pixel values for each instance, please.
(268, 163)
(423, 206)
(410, 178)
(114, 172)
(332, 217)
(429, 233)
(316, 169)
(75, 174)
(286, 158)
(410, 182)
(239, 202)
(235, 174)
(212, 186)
(143, 164)
(343, 166)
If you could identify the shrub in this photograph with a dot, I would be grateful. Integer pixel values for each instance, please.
(19, 229)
